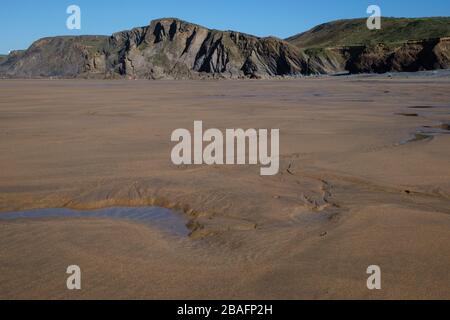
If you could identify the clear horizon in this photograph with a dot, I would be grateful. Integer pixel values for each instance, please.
(24, 22)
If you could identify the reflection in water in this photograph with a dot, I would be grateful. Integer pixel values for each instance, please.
(428, 133)
(163, 219)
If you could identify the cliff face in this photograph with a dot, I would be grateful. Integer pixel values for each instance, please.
(407, 57)
(168, 48)
(174, 49)
(410, 56)
(400, 45)
(54, 57)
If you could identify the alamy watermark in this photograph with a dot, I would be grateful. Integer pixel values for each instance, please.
(73, 22)
(230, 149)
(374, 281)
(374, 21)
(74, 280)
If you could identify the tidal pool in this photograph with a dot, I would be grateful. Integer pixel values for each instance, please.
(428, 133)
(164, 219)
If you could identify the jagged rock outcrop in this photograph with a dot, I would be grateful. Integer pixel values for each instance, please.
(167, 48)
(171, 48)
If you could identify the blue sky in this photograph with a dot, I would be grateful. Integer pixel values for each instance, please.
(24, 21)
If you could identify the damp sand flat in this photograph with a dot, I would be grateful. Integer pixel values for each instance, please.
(347, 196)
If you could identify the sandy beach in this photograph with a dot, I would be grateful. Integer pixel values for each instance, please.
(360, 184)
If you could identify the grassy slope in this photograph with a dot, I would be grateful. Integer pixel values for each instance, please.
(355, 32)
(55, 44)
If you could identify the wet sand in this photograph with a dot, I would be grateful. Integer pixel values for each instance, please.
(350, 192)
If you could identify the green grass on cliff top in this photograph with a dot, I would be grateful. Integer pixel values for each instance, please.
(355, 32)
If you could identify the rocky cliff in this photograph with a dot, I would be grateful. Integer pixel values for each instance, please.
(167, 48)
(411, 56)
(177, 49)
(174, 49)
(402, 44)
(55, 57)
